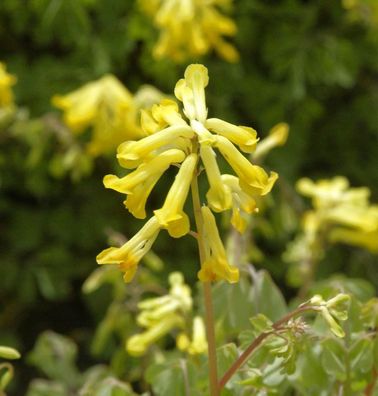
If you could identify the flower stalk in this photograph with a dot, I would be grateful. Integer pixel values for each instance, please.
(209, 316)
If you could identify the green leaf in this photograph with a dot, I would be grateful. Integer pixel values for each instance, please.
(100, 382)
(41, 387)
(361, 355)
(55, 356)
(261, 323)
(174, 377)
(333, 358)
(267, 297)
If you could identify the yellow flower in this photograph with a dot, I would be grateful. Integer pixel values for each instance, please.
(198, 344)
(219, 195)
(191, 28)
(253, 178)
(132, 153)
(327, 193)
(215, 265)
(362, 10)
(161, 315)
(6, 83)
(172, 139)
(160, 116)
(242, 203)
(104, 105)
(138, 344)
(171, 216)
(277, 137)
(129, 255)
(365, 239)
(244, 137)
(139, 183)
(342, 212)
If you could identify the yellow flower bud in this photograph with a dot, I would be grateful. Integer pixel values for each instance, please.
(129, 255)
(215, 266)
(171, 215)
(277, 137)
(244, 137)
(253, 179)
(131, 153)
(242, 203)
(219, 194)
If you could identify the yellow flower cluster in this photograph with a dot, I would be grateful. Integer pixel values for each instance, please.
(160, 315)
(363, 10)
(104, 105)
(344, 211)
(172, 140)
(6, 82)
(190, 28)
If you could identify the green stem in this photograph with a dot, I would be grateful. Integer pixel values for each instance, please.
(209, 317)
(257, 342)
(347, 383)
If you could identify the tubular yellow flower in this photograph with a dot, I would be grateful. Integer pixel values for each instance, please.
(199, 342)
(160, 116)
(241, 202)
(365, 239)
(215, 266)
(171, 216)
(131, 153)
(167, 113)
(191, 28)
(219, 194)
(6, 82)
(138, 344)
(129, 255)
(104, 105)
(253, 179)
(191, 91)
(160, 315)
(277, 137)
(329, 193)
(158, 164)
(136, 201)
(244, 137)
(197, 79)
(364, 218)
(139, 183)
(197, 345)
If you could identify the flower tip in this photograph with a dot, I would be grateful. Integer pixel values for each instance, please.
(105, 256)
(197, 71)
(280, 133)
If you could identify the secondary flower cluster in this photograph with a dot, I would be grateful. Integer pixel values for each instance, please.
(191, 28)
(175, 141)
(6, 82)
(106, 106)
(160, 315)
(340, 214)
(347, 210)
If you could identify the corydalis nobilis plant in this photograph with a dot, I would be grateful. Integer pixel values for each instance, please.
(187, 140)
(107, 107)
(190, 28)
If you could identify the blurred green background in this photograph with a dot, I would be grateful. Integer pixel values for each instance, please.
(312, 64)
